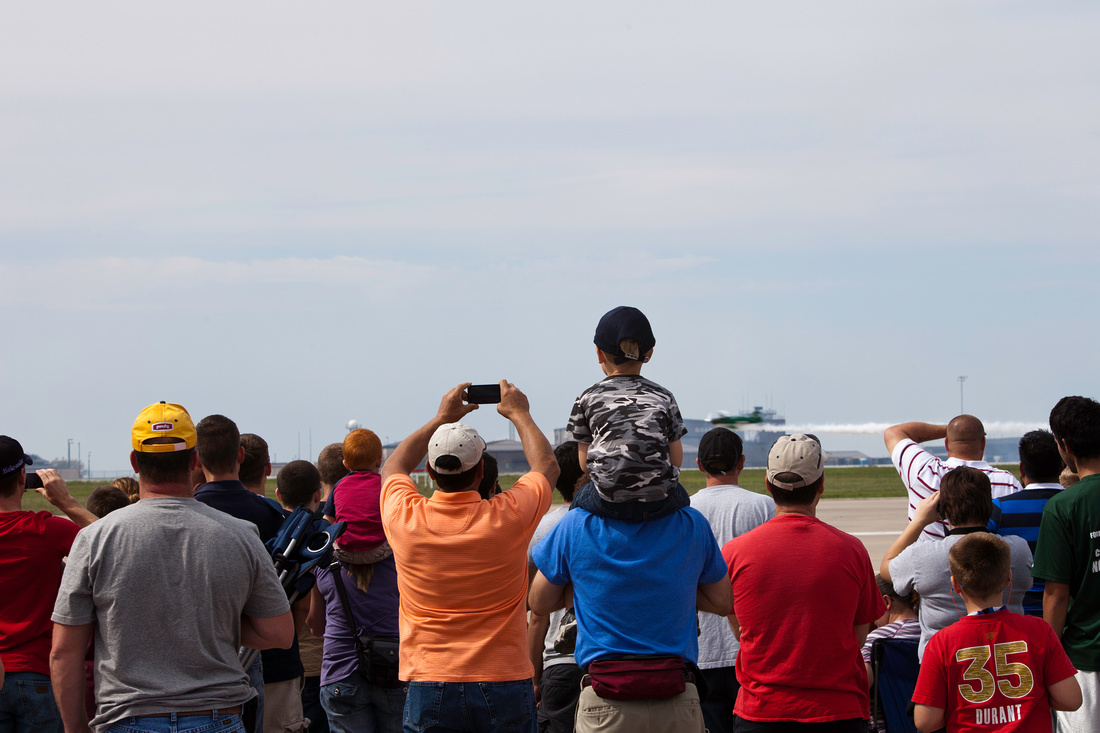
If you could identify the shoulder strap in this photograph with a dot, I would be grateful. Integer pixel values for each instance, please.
(337, 571)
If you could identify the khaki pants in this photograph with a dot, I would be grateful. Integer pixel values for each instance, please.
(283, 707)
(680, 714)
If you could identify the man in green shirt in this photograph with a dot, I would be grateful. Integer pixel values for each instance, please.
(1067, 555)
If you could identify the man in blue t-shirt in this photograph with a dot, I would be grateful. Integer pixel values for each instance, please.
(621, 573)
(1019, 513)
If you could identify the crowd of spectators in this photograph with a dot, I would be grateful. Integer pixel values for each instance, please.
(628, 607)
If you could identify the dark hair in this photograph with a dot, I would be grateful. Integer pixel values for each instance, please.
(9, 483)
(330, 462)
(966, 497)
(164, 468)
(454, 481)
(128, 485)
(256, 459)
(886, 588)
(802, 496)
(981, 564)
(570, 469)
(1039, 457)
(219, 442)
(1076, 422)
(105, 499)
(298, 481)
(488, 486)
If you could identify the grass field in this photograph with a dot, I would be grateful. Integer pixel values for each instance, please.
(857, 482)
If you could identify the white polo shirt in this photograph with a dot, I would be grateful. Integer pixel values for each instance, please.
(921, 473)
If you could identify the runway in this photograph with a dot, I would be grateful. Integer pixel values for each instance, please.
(877, 522)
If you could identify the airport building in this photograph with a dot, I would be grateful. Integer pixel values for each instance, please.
(510, 458)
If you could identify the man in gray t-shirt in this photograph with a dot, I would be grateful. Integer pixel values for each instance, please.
(965, 503)
(731, 512)
(173, 588)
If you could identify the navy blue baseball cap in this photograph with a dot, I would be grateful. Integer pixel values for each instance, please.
(621, 323)
(720, 450)
(12, 457)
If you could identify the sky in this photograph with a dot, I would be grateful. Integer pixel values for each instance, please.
(299, 214)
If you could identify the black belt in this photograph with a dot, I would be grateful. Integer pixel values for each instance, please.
(235, 710)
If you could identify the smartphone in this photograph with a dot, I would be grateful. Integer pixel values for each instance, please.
(483, 394)
(34, 481)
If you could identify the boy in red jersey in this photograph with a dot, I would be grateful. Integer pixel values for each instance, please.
(993, 669)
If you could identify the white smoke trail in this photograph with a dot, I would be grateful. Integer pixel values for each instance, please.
(877, 428)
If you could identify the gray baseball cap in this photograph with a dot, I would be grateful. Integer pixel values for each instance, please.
(797, 454)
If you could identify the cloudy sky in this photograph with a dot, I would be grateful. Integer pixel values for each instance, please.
(297, 214)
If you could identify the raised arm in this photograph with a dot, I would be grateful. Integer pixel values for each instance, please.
(408, 455)
(925, 514)
(918, 432)
(57, 493)
(536, 448)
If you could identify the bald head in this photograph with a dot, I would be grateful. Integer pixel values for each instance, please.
(965, 438)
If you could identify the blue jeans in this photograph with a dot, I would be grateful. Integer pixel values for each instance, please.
(256, 679)
(475, 707)
(180, 724)
(27, 704)
(353, 705)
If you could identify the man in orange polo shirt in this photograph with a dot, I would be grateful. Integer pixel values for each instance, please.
(462, 571)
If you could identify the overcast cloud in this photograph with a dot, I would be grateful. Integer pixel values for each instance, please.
(298, 214)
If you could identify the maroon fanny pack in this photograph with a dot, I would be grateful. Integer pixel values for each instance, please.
(638, 678)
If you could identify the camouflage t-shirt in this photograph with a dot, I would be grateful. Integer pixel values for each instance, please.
(628, 422)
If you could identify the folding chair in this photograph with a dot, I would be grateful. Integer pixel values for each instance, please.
(894, 666)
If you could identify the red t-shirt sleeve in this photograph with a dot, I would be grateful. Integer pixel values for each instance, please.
(931, 687)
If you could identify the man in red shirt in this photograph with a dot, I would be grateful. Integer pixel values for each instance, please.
(32, 545)
(804, 597)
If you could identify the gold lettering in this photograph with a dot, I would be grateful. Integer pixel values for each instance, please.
(977, 656)
(1007, 669)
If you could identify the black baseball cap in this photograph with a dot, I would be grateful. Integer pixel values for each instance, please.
(12, 457)
(621, 323)
(720, 450)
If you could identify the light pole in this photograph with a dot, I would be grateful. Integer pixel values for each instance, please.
(78, 460)
(961, 380)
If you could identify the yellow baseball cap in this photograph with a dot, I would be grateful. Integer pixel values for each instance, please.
(163, 420)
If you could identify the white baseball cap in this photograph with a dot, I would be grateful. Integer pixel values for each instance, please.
(455, 441)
